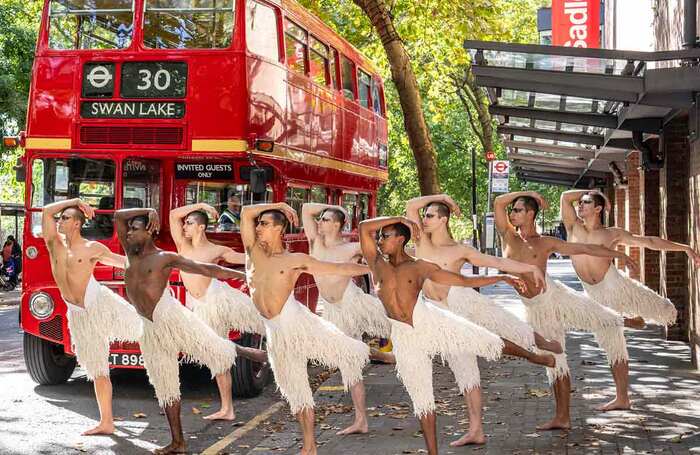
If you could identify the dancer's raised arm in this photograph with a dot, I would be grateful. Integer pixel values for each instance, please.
(414, 206)
(500, 208)
(48, 224)
(369, 228)
(177, 215)
(249, 219)
(309, 216)
(122, 217)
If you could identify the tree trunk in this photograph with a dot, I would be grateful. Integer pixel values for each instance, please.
(473, 96)
(409, 94)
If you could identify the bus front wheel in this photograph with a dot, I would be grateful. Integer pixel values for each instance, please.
(46, 362)
(250, 378)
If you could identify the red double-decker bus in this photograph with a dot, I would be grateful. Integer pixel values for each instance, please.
(161, 103)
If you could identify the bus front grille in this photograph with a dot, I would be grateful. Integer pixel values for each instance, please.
(136, 135)
(52, 329)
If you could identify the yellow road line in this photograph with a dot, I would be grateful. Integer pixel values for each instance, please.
(240, 432)
(331, 388)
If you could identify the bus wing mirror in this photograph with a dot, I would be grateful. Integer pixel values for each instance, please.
(258, 181)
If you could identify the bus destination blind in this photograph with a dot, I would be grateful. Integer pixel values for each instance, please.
(133, 109)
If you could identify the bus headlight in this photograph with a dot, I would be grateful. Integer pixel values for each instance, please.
(32, 252)
(41, 305)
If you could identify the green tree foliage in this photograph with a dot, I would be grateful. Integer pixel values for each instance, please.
(433, 32)
(19, 24)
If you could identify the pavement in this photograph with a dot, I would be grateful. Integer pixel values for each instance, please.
(665, 392)
(665, 417)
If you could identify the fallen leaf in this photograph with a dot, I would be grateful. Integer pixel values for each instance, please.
(196, 411)
(676, 439)
(140, 415)
(205, 405)
(244, 446)
(539, 393)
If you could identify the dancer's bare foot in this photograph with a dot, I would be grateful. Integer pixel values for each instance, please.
(173, 447)
(356, 428)
(616, 404)
(635, 323)
(308, 451)
(471, 438)
(102, 428)
(555, 424)
(551, 346)
(222, 415)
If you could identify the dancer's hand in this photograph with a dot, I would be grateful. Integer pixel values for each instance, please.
(631, 265)
(290, 213)
(454, 208)
(414, 227)
(516, 283)
(86, 209)
(153, 222)
(694, 256)
(538, 275)
(211, 211)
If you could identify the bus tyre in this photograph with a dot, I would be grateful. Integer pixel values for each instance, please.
(250, 378)
(47, 363)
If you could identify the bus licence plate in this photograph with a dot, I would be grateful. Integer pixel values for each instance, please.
(126, 360)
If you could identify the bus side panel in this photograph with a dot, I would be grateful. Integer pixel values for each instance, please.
(268, 99)
(54, 97)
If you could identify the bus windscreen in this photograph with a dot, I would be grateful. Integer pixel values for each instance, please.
(188, 24)
(91, 24)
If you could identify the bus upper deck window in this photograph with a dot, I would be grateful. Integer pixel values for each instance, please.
(363, 84)
(261, 30)
(297, 42)
(348, 70)
(90, 24)
(188, 24)
(318, 62)
(92, 180)
(376, 101)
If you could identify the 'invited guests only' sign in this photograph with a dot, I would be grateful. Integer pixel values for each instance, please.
(576, 23)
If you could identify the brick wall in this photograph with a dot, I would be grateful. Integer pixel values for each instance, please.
(620, 209)
(649, 225)
(694, 288)
(674, 210)
(632, 205)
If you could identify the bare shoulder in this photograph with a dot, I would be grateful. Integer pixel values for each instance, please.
(426, 265)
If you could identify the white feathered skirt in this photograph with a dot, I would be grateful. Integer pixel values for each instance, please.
(357, 313)
(631, 298)
(560, 308)
(436, 331)
(106, 317)
(175, 330)
(297, 335)
(481, 310)
(224, 308)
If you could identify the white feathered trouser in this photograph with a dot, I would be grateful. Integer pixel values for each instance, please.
(481, 310)
(297, 335)
(106, 317)
(438, 332)
(631, 298)
(357, 313)
(560, 308)
(175, 330)
(224, 308)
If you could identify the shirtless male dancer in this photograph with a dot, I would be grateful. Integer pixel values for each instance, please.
(294, 333)
(601, 279)
(220, 306)
(168, 327)
(345, 305)
(437, 245)
(96, 315)
(558, 308)
(420, 329)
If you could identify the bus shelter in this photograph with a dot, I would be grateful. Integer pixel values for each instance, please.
(569, 116)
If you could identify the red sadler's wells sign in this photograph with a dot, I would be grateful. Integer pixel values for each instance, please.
(576, 23)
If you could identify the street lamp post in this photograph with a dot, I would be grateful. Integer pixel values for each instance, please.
(475, 244)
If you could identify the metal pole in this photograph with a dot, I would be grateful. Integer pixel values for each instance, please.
(475, 269)
(690, 32)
